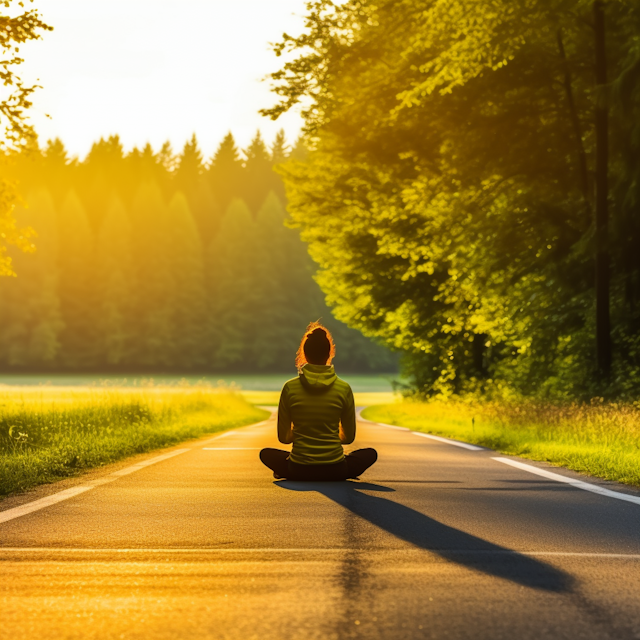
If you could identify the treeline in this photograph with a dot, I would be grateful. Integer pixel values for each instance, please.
(155, 261)
(472, 193)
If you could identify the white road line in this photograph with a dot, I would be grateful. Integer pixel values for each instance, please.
(30, 507)
(578, 484)
(391, 426)
(36, 505)
(222, 435)
(230, 448)
(578, 554)
(238, 432)
(145, 463)
(464, 445)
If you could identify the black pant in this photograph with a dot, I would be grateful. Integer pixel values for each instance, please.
(353, 465)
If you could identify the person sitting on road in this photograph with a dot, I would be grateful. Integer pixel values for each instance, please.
(317, 414)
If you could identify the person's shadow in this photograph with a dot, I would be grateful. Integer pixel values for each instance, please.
(426, 533)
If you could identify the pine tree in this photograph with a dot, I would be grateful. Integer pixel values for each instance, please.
(166, 157)
(187, 265)
(234, 294)
(279, 148)
(106, 155)
(115, 285)
(259, 172)
(226, 173)
(205, 209)
(153, 307)
(190, 181)
(277, 332)
(280, 151)
(100, 175)
(300, 150)
(144, 166)
(190, 166)
(77, 284)
(95, 197)
(140, 299)
(56, 174)
(30, 320)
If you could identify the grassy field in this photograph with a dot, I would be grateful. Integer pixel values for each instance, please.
(260, 389)
(360, 382)
(602, 440)
(48, 433)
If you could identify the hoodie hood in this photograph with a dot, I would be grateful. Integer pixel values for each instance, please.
(318, 377)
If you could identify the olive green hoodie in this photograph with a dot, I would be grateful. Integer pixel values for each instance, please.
(314, 409)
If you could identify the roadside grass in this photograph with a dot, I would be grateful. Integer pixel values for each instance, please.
(48, 433)
(602, 440)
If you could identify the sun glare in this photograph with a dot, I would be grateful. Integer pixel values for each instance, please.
(154, 70)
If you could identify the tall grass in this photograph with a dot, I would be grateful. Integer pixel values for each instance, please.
(49, 433)
(599, 439)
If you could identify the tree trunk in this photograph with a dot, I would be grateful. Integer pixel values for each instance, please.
(478, 350)
(603, 322)
(575, 121)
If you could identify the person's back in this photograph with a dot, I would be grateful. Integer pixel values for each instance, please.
(318, 404)
(317, 414)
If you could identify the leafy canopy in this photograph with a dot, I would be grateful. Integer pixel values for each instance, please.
(15, 100)
(447, 192)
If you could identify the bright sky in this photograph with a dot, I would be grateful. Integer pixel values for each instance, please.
(156, 70)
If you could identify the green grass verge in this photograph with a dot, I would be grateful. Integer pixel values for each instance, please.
(602, 440)
(47, 434)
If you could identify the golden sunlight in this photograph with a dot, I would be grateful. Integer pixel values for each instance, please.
(152, 70)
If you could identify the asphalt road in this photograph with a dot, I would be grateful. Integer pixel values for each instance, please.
(434, 541)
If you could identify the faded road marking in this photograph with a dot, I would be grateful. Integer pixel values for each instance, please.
(456, 443)
(36, 505)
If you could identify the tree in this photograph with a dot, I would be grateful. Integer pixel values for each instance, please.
(115, 283)
(100, 175)
(206, 211)
(155, 282)
(259, 173)
(9, 231)
(15, 31)
(77, 282)
(18, 133)
(190, 166)
(280, 151)
(57, 170)
(274, 340)
(602, 284)
(189, 343)
(191, 182)
(226, 173)
(446, 195)
(144, 166)
(30, 320)
(148, 298)
(234, 293)
(289, 299)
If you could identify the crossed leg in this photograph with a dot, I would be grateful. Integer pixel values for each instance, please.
(353, 465)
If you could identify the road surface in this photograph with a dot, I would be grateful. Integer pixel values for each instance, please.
(434, 541)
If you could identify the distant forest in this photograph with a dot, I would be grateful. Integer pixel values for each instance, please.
(155, 261)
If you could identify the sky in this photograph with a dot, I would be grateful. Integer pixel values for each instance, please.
(157, 70)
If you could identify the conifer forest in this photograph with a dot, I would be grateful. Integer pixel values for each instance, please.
(159, 261)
